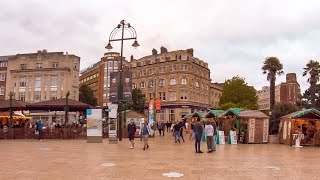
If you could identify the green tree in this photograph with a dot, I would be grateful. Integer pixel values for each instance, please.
(86, 95)
(237, 93)
(280, 109)
(311, 95)
(138, 101)
(227, 106)
(272, 67)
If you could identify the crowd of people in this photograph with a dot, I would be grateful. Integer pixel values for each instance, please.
(198, 130)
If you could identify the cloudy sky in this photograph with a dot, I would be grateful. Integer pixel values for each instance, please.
(234, 37)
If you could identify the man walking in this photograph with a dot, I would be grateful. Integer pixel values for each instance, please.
(209, 133)
(215, 132)
(39, 129)
(176, 130)
(145, 131)
(131, 131)
(198, 130)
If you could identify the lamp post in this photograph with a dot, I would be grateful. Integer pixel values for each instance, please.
(133, 36)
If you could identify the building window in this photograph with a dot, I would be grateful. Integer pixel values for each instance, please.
(162, 96)
(37, 96)
(174, 67)
(162, 82)
(173, 82)
(184, 67)
(163, 115)
(22, 96)
(110, 64)
(184, 95)
(37, 82)
(23, 66)
(151, 95)
(172, 95)
(202, 87)
(207, 87)
(142, 85)
(38, 65)
(54, 80)
(2, 90)
(3, 64)
(55, 65)
(151, 71)
(151, 83)
(162, 69)
(134, 86)
(53, 95)
(172, 115)
(183, 81)
(2, 77)
(197, 84)
(23, 82)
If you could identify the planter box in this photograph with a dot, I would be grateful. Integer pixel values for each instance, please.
(273, 139)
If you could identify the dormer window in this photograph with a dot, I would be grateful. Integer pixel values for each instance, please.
(38, 65)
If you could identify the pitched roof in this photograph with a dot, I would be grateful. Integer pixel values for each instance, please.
(252, 114)
(16, 105)
(198, 114)
(188, 116)
(214, 113)
(298, 114)
(59, 105)
(234, 111)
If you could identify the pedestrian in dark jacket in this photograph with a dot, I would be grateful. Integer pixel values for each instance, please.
(131, 131)
(198, 130)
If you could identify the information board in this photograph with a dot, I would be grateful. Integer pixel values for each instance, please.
(94, 122)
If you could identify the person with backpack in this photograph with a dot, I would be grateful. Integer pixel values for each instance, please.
(39, 129)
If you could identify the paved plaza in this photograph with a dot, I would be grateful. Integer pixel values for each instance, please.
(76, 159)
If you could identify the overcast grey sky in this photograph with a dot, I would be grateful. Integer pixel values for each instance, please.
(234, 37)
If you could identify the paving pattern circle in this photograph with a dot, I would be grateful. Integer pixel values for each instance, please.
(172, 174)
(108, 164)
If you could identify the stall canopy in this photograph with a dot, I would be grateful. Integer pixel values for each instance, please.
(58, 105)
(232, 111)
(214, 113)
(16, 105)
(188, 116)
(198, 114)
(306, 113)
(253, 114)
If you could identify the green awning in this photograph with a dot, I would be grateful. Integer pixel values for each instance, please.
(214, 113)
(188, 116)
(232, 111)
(198, 114)
(299, 114)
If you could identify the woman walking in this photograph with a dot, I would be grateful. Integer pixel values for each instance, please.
(145, 131)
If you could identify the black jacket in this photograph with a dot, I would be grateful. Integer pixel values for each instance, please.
(131, 128)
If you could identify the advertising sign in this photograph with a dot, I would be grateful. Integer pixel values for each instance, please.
(252, 127)
(220, 137)
(94, 122)
(112, 109)
(265, 130)
(232, 137)
(158, 104)
(113, 96)
(127, 85)
(151, 112)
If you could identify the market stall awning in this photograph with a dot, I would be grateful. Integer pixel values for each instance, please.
(14, 115)
(16, 105)
(188, 116)
(306, 113)
(198, 114)
(232, 111)
(58, 105)
(214, 113)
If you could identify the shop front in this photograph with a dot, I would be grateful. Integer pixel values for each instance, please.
(304, 124)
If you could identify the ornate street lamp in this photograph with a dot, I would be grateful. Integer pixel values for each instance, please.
(122, 27)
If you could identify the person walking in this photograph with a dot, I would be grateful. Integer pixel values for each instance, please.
(168, 126)
(39, 129)
(198, 130)
(160, 128)
(145, 131)
(191, 130)
(181, 130)
(131, 131)
(163, 127)
(176, 130)
(209, 133)
(215, 133)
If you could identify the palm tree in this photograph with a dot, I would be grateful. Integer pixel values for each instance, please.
(272, 67)
(66, 108)
(11, 95)
(313, 69)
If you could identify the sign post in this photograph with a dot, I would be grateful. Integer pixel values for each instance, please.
(113, 138)
(94, 125)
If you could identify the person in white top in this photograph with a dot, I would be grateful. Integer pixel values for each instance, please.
(187, 127)
(209, 133)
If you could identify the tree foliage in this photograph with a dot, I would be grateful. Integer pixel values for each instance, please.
(272, 67)
(237, 93)
(137, 102)
(86, 95)
(280, 109)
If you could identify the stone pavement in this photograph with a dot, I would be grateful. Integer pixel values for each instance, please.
(75, 159)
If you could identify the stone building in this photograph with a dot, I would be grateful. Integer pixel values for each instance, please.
(98, 76)
(288, 92)
(41, 76)
(180, 80)
(3, 76)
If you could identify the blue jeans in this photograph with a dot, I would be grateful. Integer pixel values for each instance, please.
(198, 142)
(176, 136)
(214, 143)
